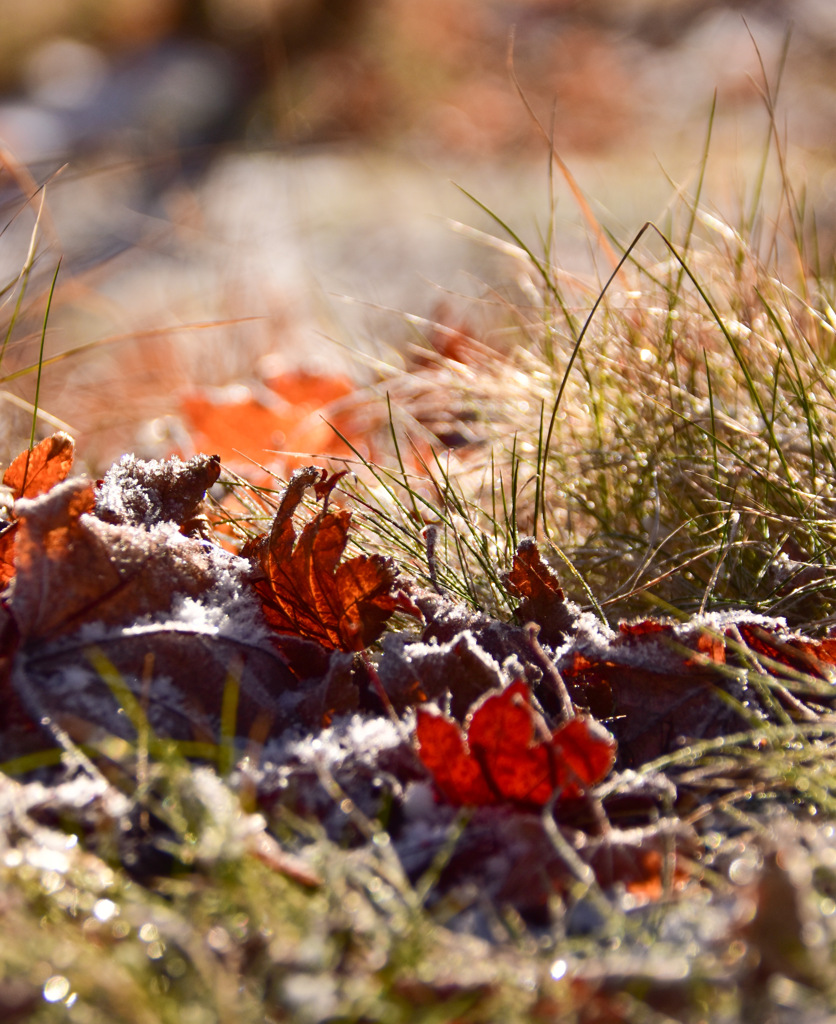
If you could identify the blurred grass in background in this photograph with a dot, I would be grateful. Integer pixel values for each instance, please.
(250, 161)
(428, 75)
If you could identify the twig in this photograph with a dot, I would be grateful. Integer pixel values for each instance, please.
(550, 672)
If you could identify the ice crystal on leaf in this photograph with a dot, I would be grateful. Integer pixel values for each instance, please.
(140, 493)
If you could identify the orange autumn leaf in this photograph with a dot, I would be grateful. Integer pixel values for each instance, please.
(39, 470)
(32, 473)
(531, 577)
(306, 591)
(239, 425)
(501, 759)
(233, 429)
(7, 553)
(309, 390)
(72, 568)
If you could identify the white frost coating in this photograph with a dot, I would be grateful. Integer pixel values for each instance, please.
(228, 608)
(111, 492)
(361, 739)
(418, 651)
(599, 643)
(139, 492)
(220, 611)
(722, 620)
(77, 792)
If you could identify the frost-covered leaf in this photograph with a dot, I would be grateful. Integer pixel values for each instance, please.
(657, 684)
(509, 753)
(143, 609)
(139, 493)
(414, 673)
(72, 568)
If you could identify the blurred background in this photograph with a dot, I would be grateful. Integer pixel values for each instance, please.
(245, 194)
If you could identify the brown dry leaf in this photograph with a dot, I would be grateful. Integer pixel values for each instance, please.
(655, 687)
(306, 591)
(72, 568)
(414, 673)
(543, 600)
(39, 470)
(100, 605)
(139, 493)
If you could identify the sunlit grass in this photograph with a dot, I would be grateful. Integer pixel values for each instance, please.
(667, 438)
(672, 445)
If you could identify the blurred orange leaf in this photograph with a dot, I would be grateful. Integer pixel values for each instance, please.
(231, 428)
(309, 390)
(293, 419)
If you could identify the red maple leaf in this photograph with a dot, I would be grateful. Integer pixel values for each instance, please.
(502, 758)
(306, 591)
(812, 657)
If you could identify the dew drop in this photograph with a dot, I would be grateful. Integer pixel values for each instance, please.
(558, 969)
(56, 988)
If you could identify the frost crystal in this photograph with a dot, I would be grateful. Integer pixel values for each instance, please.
(350, 738)
(143, 493)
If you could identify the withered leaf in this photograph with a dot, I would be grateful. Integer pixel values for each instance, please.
(31, 474)
(655, 686)
(37, 471)
(543, 600)
(95, 601)
(140, 493)
(72, 568)
(504, 759)
(414, 673)
(306, 591)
